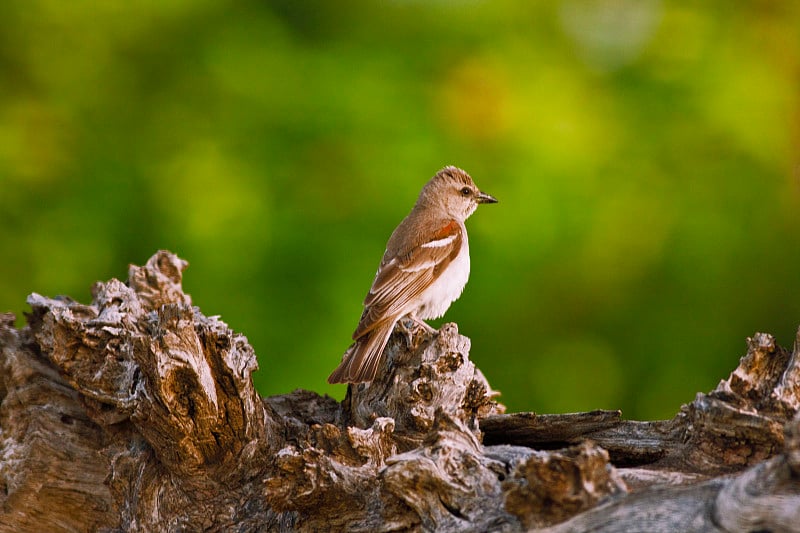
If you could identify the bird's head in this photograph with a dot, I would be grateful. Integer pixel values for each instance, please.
(453, 189)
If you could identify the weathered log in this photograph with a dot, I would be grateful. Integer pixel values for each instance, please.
(138, 413)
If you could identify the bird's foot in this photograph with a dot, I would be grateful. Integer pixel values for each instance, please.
(410, 326)
(421, 324)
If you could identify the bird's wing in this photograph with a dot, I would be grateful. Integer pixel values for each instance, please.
(402, 278)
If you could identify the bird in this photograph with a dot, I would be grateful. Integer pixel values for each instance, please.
(423, 270)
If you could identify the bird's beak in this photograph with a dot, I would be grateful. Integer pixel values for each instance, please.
(484, 198)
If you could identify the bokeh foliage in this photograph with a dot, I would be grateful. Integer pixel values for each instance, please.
(645, 155)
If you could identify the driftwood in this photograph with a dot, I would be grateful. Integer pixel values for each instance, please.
(137, 413)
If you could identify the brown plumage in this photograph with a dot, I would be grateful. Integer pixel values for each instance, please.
(424, 269)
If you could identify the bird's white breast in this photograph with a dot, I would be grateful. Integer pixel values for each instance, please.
(437, 298)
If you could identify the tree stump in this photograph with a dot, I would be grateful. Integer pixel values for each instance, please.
(138, 413)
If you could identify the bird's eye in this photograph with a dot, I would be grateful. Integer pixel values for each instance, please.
(466, 191)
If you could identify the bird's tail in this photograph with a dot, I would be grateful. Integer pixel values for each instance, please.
(361, 360)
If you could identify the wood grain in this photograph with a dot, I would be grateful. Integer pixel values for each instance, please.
(138, 413)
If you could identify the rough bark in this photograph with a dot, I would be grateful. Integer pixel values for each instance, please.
(138, 413)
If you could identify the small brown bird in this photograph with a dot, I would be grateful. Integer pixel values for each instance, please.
(423, 271)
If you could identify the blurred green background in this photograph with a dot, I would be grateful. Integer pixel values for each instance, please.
(645, 155)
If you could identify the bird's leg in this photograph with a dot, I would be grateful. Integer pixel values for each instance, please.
(421, 324)
(410, 326)
(404, 327)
